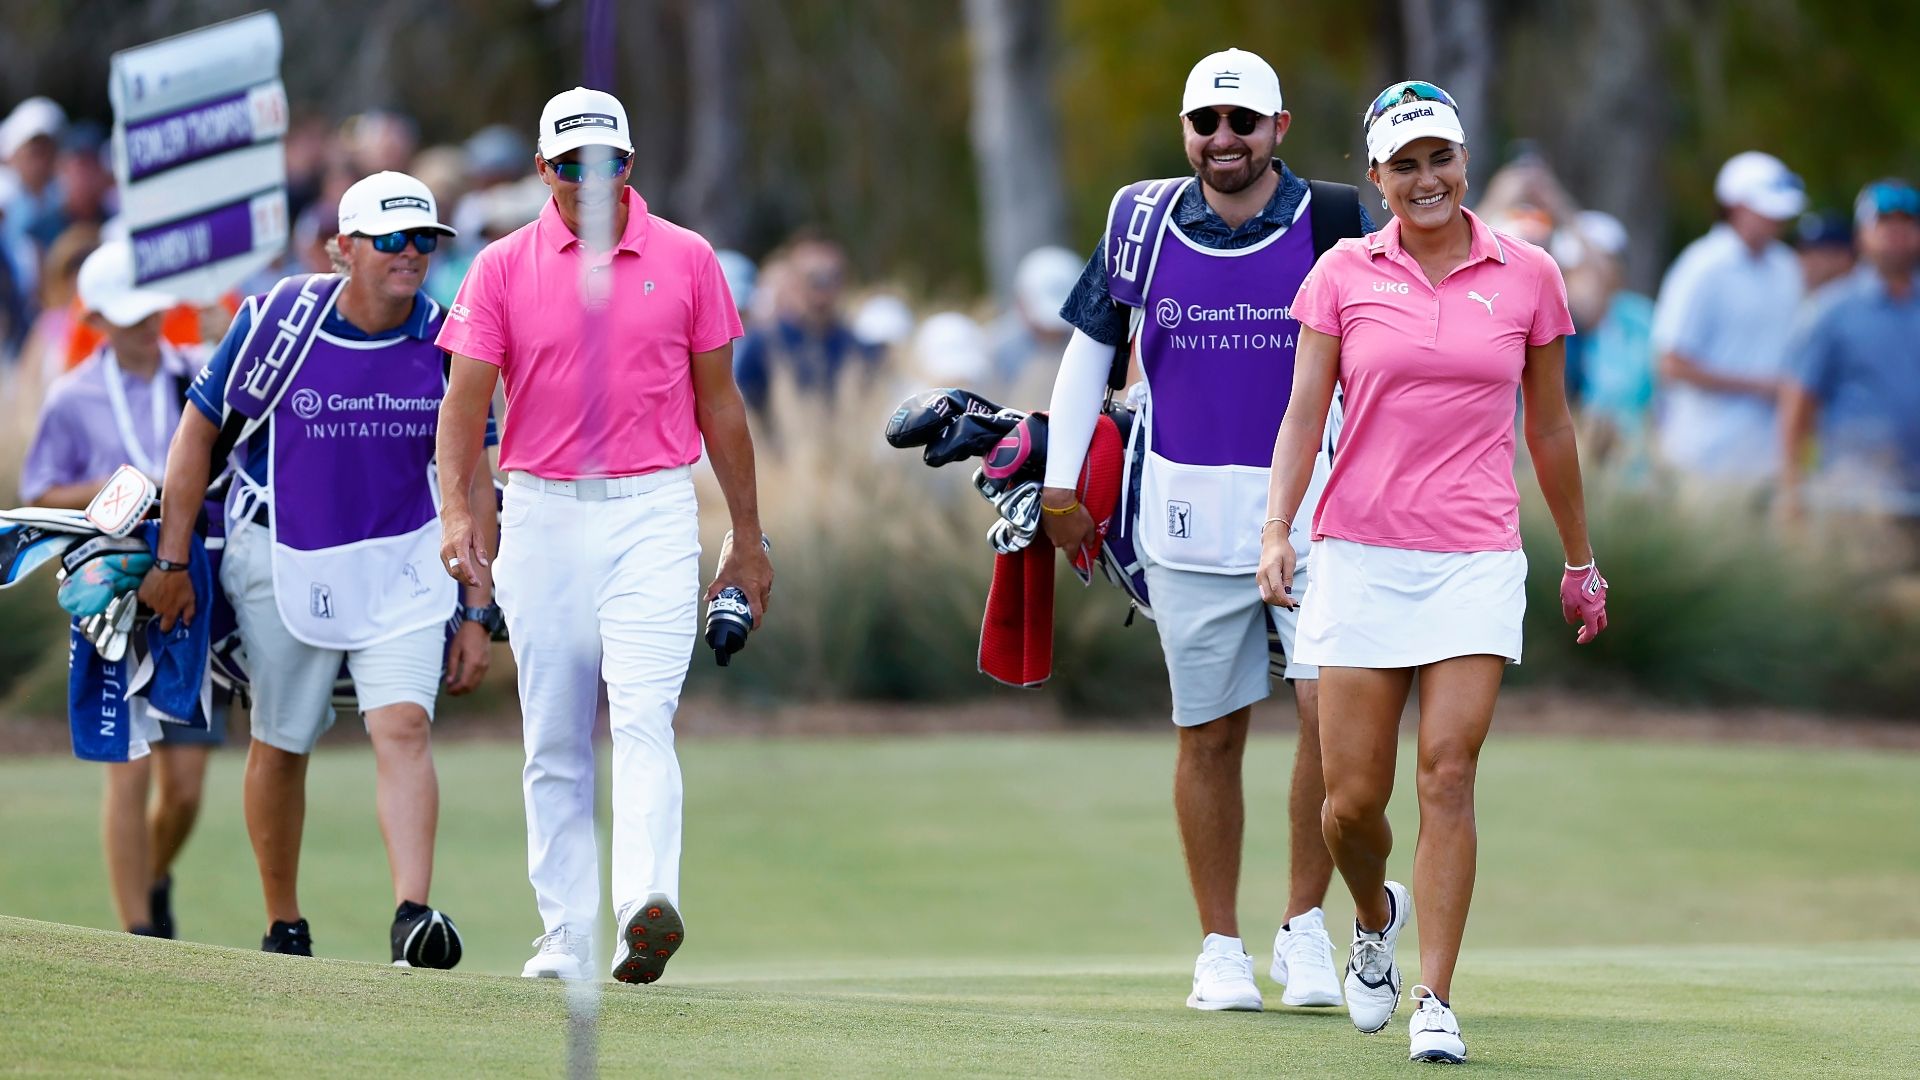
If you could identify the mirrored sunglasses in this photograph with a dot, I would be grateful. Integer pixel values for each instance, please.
(574, 172)
(1403, 93)
(393, 243)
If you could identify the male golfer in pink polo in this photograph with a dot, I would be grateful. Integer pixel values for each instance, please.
(614, 332)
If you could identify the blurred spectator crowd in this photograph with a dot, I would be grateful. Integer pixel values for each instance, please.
(1778, 363)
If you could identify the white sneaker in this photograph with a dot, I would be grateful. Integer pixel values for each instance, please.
(1434, 1032)
(651, 931)
(1223, 977)
(1373, 978)
(561, 954)
(1303, 961)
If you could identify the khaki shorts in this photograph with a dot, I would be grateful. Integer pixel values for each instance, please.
(292, 680)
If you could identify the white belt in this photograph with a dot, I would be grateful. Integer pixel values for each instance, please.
(599, 488)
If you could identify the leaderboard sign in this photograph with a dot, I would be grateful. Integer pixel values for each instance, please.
(199, 125)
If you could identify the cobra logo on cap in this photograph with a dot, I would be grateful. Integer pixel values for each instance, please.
(591, 119)
(405, 202)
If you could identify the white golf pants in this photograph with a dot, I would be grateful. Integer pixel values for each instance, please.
(598, 589)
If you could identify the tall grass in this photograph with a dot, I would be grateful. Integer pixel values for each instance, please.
(883, 570)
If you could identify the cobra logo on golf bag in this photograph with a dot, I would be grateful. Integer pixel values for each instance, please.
(264, 377)
(1124, 259)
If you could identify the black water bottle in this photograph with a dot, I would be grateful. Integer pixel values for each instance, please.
(730, 617)
(729, 621)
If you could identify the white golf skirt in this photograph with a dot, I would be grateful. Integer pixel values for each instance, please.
(1381, 607)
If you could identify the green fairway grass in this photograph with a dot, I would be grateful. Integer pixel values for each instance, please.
(1004, 906)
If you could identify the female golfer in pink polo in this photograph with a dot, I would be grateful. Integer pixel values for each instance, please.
(1430, 326)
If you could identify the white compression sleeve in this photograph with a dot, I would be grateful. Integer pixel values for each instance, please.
(1077, 393)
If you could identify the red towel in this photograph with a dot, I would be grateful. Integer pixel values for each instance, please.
(1016, 637)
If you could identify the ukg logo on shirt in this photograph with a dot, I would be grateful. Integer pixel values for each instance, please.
(1167, 313)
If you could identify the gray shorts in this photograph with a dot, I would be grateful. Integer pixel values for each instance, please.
(292, 680)
(1213, 630)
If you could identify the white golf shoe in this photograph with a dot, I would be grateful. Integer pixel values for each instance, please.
(1434, 1033)
(1223, 977)
(1373, 978)
(1303, 961)
(561, 954)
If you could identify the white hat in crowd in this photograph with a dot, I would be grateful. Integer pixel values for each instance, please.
(951, 347)
(882, 320)
(107, 288)
(1762, 183)
(389, 202)
(582, 117)
(1043, 281)
(1234, 77)
(29, 120)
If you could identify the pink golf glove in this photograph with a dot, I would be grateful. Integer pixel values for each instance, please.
(1583, 601)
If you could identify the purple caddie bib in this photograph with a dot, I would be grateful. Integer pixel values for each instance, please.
(350, 477)
(1216, 339)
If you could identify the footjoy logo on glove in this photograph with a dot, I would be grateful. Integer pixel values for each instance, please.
(1167, 313)
(306, 403)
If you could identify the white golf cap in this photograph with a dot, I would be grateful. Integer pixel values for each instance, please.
(1233, 77)
(389, 202)
(1418, 118)
(582, 117)
(107, 288)
(29, 120)
(1762, 183)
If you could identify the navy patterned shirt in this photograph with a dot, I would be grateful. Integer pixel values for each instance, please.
(1090, 307)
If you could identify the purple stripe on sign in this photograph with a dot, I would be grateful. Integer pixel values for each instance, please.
(190, 134)
(191, 243)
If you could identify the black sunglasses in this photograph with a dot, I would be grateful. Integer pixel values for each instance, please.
(424, 241)
(1205, 121)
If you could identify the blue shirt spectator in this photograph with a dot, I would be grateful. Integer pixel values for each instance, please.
(1856, 366)
(1857, 360)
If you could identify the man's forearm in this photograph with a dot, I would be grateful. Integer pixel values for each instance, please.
(457, 447)
(66, 496)
(189, 460)
(730, 450)
(486, 528)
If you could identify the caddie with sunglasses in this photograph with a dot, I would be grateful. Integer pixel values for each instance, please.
(613, 331)
(323, 397)
(1192, 281)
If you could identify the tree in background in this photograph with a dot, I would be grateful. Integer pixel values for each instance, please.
(1016, 132)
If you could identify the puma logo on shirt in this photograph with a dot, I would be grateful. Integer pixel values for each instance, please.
(1487, 300)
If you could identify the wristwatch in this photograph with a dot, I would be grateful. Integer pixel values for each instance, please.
(488, 617)
(167, 566)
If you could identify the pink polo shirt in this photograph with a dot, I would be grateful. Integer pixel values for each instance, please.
(1431, 377)
(606, 391)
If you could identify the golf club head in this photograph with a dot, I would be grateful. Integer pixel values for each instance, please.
(971, 436)
(1021, 454)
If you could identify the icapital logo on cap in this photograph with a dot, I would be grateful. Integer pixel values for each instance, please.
(1413, 114)
(590, 119)
(405, 202)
